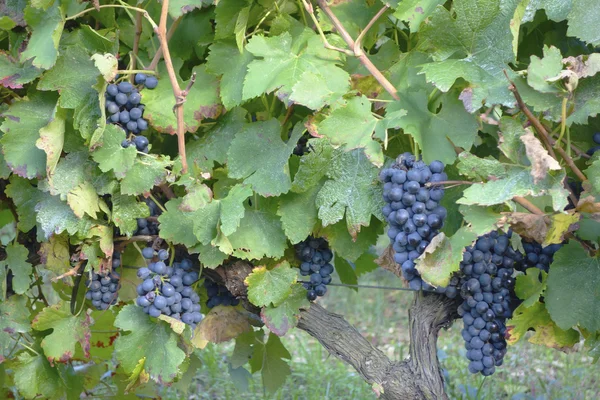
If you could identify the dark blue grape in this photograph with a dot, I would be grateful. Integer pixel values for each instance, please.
(112, 90)
(125, 87)
(135, 98)
(140, 78)
(151, 82)
(142, 124)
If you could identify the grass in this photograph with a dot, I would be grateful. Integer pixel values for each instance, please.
(529, 371)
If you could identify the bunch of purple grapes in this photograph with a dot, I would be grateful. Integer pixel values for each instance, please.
(218, 295)
(538, 256)
(103, 289)
(486, 285)
(123, 106)
(413, 211)
(316, 257)
(168, 290)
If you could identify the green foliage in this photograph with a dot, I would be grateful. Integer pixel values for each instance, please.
(256, 79)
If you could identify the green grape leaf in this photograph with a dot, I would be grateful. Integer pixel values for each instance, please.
(14, 74)
(16, 261)
(346, 246)
(259, 156)
(582, 21)
(55, 216)
(73, 170)
(202, 102)
(436, 133)
(416, 11)
(284, 62)
(529, 288)
(313, 166)
(74, 76)
(225, 59)
(274, 286)
(47, 26)
(21, 128)
(540, 70)
(547, 333)
(556, 10)
(587, 102)
(210, 256)
(346, 271)
(226, 16)
(67, 330)
(52, 138)
(480, 51)
(25, 197)
(269, 359)
(259, 235)
(84, 200)
(352, 190)
(125, 212)
(34, 376)
(177, 8)
(14, 319)
(298, 212)
(154, 341)
(55, 254)
(213, 146)
(593, 175)
(577, 302)
(145, 173)
(352, 125)
(198, 195)
(507, 181)
(284, 317)
(177, 226)
(110, 155)
(232, 208)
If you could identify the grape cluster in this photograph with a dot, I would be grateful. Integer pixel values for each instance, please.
(168, 290)
(316, 257)
(538, 256)
(486, 286)
(594, 149)
(146, 227)
(123, 105)
(412, 210)
(219, 295)
(103, 289)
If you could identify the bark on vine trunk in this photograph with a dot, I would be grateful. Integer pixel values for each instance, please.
(418, 377)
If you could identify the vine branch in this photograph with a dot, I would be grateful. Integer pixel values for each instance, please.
(140, 10)
(362, 57)
(180, 95)
(358, 42)
(136, 43)
(548, 141)
(159, 52)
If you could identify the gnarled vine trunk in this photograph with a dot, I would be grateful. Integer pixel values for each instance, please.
(418, 377)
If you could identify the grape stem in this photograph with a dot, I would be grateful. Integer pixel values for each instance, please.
(180, 95)
(354, 45)
(542, 131)
(526, 204)
(159, 52)
(140, 10)
(72, 272)
(136, 43)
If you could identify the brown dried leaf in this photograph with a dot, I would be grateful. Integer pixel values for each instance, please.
(541, 161)
(221, 324)
(531, 226)
(386, 261)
